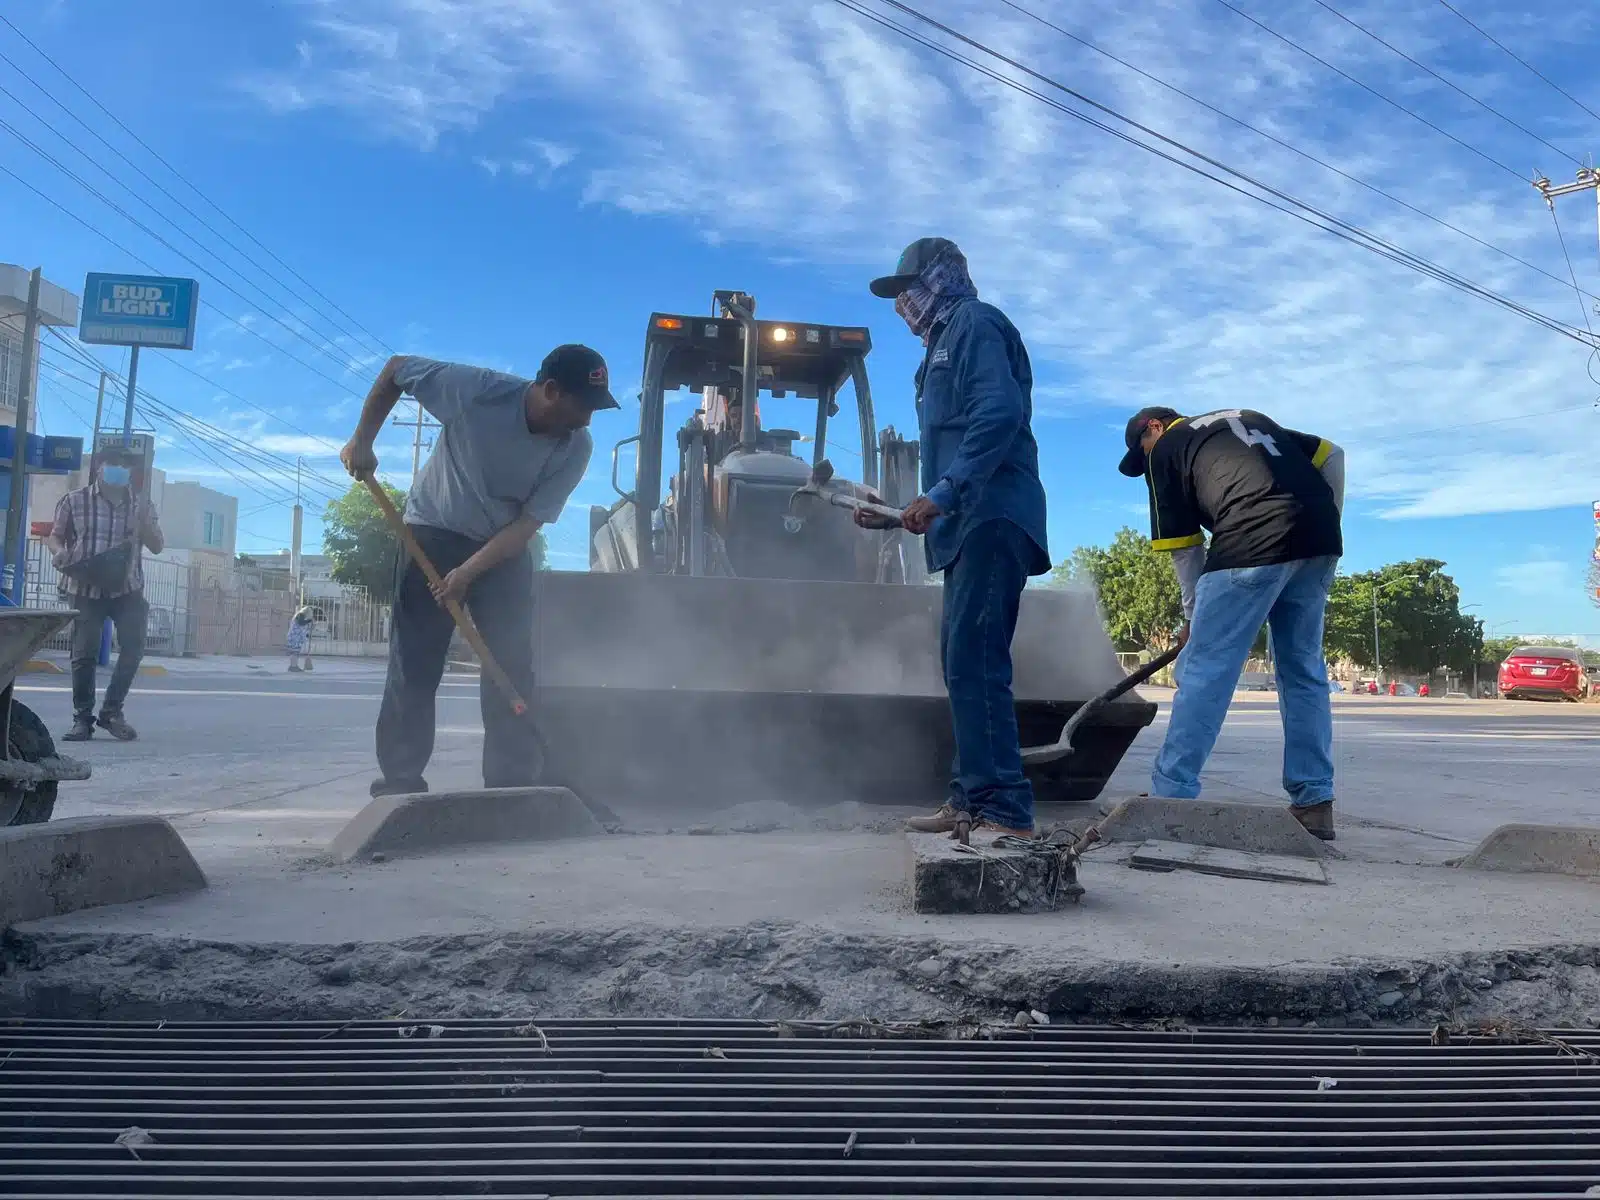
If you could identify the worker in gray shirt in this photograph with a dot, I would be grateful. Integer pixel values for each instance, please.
(509, 452)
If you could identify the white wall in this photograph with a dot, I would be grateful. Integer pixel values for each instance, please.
(195, 517)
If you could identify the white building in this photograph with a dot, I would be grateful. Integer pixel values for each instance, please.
(57, 306)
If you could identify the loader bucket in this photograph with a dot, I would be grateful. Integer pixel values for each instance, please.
(24, 630)
(729, 689)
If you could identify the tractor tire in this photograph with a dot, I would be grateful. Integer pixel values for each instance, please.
(30, 741)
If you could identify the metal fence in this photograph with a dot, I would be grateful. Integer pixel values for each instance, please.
(243, 612)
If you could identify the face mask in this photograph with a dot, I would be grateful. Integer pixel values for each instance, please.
(115, 476)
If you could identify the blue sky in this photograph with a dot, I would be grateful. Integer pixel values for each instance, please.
(482, 179)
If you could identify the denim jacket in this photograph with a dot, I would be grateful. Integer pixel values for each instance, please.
(979, 459)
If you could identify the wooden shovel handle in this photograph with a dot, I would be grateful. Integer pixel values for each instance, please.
(463, 621)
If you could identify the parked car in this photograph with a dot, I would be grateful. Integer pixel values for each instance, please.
(1335, 687)
(1552, 672)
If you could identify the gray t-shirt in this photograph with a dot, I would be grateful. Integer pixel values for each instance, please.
(486, 468)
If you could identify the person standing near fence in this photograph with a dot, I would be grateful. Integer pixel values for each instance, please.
(299, 639)
(98, 540)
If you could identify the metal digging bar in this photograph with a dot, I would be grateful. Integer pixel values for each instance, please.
(686, 1108)
(1062, 746)
(821, 475)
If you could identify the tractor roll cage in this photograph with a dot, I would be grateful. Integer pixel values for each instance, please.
(806, 360)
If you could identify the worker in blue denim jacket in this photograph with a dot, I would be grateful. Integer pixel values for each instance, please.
(982, 514)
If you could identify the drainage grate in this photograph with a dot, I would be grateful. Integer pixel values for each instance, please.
(691, 1108)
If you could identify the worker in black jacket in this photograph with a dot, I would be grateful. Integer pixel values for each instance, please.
(1271, 499)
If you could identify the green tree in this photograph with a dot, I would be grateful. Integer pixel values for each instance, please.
(1420, 623)
(1137, 586)
(357, 538)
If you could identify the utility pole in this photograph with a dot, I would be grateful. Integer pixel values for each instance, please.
(99, 409)
(294, 537)
(417, 426)
(16, 502)
(1377, 665)
(1588, 181)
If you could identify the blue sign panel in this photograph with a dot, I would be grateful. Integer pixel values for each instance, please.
(51, 455)
(139, 310)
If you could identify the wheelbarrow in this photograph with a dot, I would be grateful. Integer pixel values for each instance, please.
(31, 768)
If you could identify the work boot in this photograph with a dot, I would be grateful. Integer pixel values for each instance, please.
(113, 724)
(82, 730)
(943, 821)
(1317, 819)
(308, 664)
(294, 668)
(1002, 830)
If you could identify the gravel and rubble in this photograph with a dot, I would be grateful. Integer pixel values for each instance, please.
(763, 971)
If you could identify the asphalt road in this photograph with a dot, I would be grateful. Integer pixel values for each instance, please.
(246, 740)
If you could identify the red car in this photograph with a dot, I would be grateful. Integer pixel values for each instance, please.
(1552, 671)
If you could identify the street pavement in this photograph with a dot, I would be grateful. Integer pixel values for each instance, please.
(258, 771)
(237, 743)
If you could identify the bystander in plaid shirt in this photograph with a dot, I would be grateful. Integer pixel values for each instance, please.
(89, 523)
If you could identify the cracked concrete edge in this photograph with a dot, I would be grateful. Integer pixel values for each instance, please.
(762, 972)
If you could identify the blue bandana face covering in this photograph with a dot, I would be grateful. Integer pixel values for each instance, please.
(942, 284)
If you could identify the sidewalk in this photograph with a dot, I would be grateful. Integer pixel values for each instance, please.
(224, 665)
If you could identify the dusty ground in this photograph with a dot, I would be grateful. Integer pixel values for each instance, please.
(772, 910)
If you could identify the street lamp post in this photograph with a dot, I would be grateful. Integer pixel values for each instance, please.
(1377, 665)
(1475, 657)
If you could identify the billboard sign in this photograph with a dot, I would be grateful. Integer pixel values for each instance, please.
(139, 310)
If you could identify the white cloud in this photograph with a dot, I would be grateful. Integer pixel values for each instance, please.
(830, 135)
(1543, 574)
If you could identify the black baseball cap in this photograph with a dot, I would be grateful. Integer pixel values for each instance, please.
(915, 257)
(580, 372)
(1133, 463)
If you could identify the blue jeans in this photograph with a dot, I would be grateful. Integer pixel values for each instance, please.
(1229, 609)
(982, 591)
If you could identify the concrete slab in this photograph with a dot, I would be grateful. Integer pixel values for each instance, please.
(1547, 849)
(1234, 864)
(57, 868)
(949, 878)
(1257, 828)
(397, 826)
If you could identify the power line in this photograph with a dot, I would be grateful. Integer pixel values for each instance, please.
(199, 449)
(1571, 270)
(321, 348)
(82, 356)
(1421, 66)
(118, 122)
(144, 262)
(342, 331)
(196, 431)
(1289, 146)
(1291, 206)
(1497, 42)
(1294, 45)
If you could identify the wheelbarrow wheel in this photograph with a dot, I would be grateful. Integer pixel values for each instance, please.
(31, 742)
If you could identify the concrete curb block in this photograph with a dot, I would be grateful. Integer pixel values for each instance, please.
(60, 867)
(411, 825)
(41, 666)
(1258, 828)
(1543, 849)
